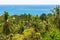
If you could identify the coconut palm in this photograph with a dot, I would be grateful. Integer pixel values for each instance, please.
(6, 24)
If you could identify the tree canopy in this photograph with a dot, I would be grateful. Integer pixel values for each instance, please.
(29, 27)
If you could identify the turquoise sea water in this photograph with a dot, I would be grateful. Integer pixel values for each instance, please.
(28, 9)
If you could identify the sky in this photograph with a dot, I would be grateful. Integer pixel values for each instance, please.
(28, 9)
(29, 2)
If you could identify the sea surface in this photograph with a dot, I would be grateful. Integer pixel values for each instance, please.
(28, 9)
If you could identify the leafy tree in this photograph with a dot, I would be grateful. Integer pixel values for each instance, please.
(43, 16)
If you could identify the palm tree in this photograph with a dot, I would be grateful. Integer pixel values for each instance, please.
(6, 24)
(57, 18)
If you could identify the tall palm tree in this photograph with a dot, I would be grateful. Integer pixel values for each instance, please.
(57, 19)
(6, 24)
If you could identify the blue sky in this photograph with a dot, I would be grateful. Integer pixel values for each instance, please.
(28, 9)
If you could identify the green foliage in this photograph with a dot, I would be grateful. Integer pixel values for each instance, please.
(6, 24)
(21, 29)
(18, 37)
(29, 27)
(43, 17)
(28, 33)
(52, 35)
(5, 15)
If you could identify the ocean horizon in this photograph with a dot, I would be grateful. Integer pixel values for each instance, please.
(28, 9)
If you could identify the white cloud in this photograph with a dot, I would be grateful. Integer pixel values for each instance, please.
(29, 2)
